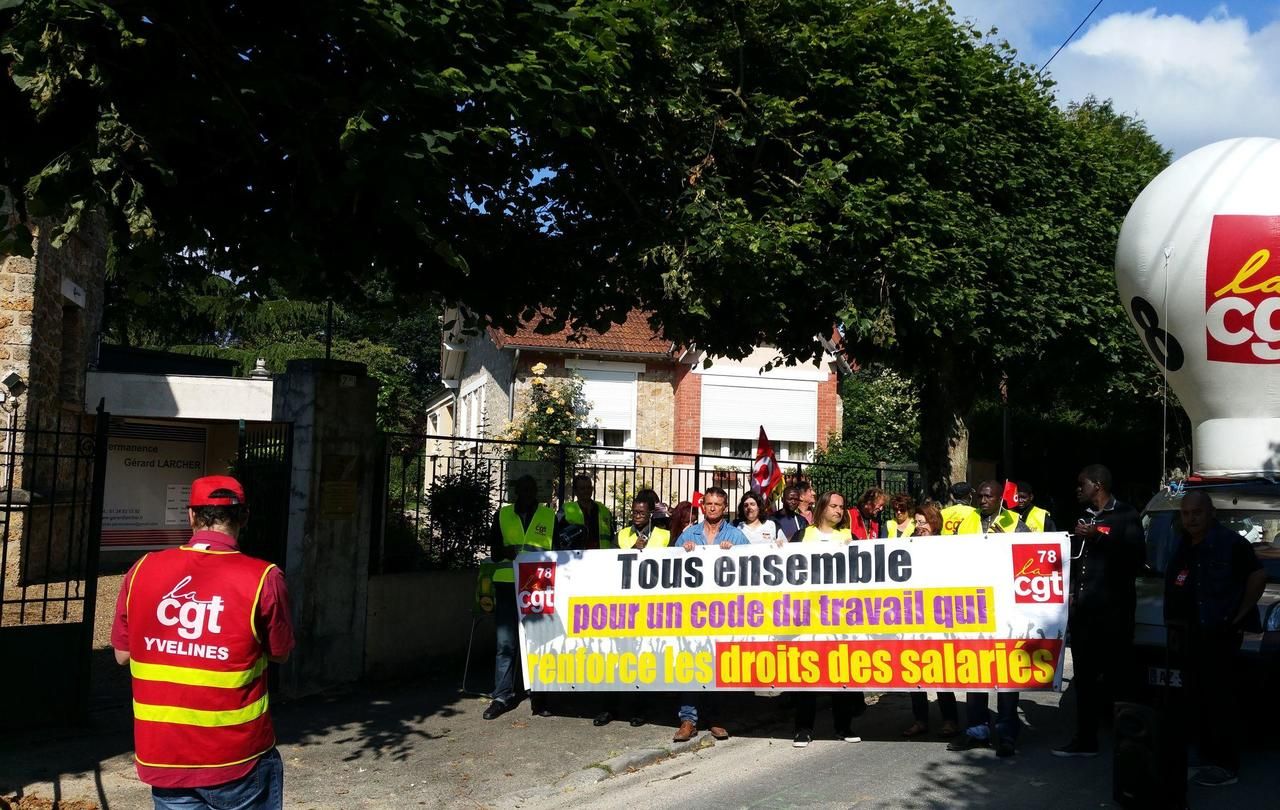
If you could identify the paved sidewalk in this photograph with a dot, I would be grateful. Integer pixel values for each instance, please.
(415, 745)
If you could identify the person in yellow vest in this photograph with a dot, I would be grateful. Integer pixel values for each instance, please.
(595, 519)
(981, 731)
(960, 517)
(831, 522)
(524, 525)
(1037, 519)
(903, 522)
(196, 626)
(640, 535)
(831, 526)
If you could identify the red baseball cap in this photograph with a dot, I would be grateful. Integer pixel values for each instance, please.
(216, 490)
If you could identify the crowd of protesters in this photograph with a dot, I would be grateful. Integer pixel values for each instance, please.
(1107, 555)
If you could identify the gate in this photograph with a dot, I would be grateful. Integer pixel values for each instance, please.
(264, 466)
(51, 508)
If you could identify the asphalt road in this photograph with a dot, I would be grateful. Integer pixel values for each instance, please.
(885, 771)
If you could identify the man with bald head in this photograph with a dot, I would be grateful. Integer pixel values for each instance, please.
(1211, 590)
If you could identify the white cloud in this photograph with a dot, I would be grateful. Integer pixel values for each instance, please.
(1016, 19)
(1193, 82)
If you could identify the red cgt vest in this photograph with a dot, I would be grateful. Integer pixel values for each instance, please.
(199, 670)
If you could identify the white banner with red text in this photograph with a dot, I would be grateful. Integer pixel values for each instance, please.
(960, 613)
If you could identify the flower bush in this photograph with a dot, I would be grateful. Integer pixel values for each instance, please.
(553, 418)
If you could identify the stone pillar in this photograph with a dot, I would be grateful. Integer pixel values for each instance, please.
(332, 407)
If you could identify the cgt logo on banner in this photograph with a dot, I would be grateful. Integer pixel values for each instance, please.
(1037, 574)
(1242, 277)
(537, 594)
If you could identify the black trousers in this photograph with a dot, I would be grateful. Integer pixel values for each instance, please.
(1102, 656)
(844, 707)
(1207, 708)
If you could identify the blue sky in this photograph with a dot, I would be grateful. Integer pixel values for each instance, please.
(1196, 71)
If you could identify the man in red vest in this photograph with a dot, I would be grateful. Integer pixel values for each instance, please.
(197, 625)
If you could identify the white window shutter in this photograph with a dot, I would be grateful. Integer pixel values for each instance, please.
(736, 407)
(612, 398)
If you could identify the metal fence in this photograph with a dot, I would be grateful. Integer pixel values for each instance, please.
(51, 516)
(442, 492)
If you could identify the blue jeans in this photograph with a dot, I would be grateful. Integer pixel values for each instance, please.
(260, 789)
(508, 674)
(978, 715)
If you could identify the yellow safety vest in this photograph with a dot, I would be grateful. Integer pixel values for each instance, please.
(907, 529)
(658, 538)
(1035, 518)
(1005, 521)
(536, 538)
(573, 514)
(961, 518)
(812, 535)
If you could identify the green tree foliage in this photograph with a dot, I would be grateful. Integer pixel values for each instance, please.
(881, 420)
(750, 172)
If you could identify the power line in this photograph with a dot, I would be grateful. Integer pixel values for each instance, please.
(1069, 38)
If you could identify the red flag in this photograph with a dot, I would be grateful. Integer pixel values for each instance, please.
(1010, 495)
(696, 503)
(765, 473)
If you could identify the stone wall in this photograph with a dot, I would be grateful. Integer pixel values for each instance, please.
(655, 413)
(490, 368)
(50, 318)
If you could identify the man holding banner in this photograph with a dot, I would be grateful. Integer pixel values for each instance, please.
(524, 525)
(714, 529)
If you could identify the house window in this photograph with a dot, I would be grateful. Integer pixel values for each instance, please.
(613, 438)
(735, 448)
(472, 414)
(795, 451)
(611, 397)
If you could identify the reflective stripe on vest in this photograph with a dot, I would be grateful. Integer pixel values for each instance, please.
(658, 538)
(193, 676)
(198, 669)
(536, 538)
(1035, 518)
(812, 535)
(604, 519)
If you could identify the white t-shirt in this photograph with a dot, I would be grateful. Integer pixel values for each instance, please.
(765, 532)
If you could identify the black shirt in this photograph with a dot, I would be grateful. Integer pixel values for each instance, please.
(1182, 589)
(1105, 567)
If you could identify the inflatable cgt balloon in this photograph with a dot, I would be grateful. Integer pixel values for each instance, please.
(1198, 267)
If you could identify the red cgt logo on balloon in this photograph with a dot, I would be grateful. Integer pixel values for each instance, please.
(1242, 279)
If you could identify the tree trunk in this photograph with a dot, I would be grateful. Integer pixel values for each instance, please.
(945, 403)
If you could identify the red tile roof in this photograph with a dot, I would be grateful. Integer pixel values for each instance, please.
(632, 336)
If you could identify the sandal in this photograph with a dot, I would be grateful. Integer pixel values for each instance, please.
(915, 729)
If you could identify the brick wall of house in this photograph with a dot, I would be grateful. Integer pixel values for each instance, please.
(829, 407)
(688, 413)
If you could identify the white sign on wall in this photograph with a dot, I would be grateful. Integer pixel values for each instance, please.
(150, 467)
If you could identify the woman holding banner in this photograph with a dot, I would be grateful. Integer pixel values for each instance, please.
(928, 523)
(830, 526)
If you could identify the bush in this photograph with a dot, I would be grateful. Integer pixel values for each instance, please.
(459, 515)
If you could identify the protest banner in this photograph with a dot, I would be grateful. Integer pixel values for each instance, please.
(964, 613)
